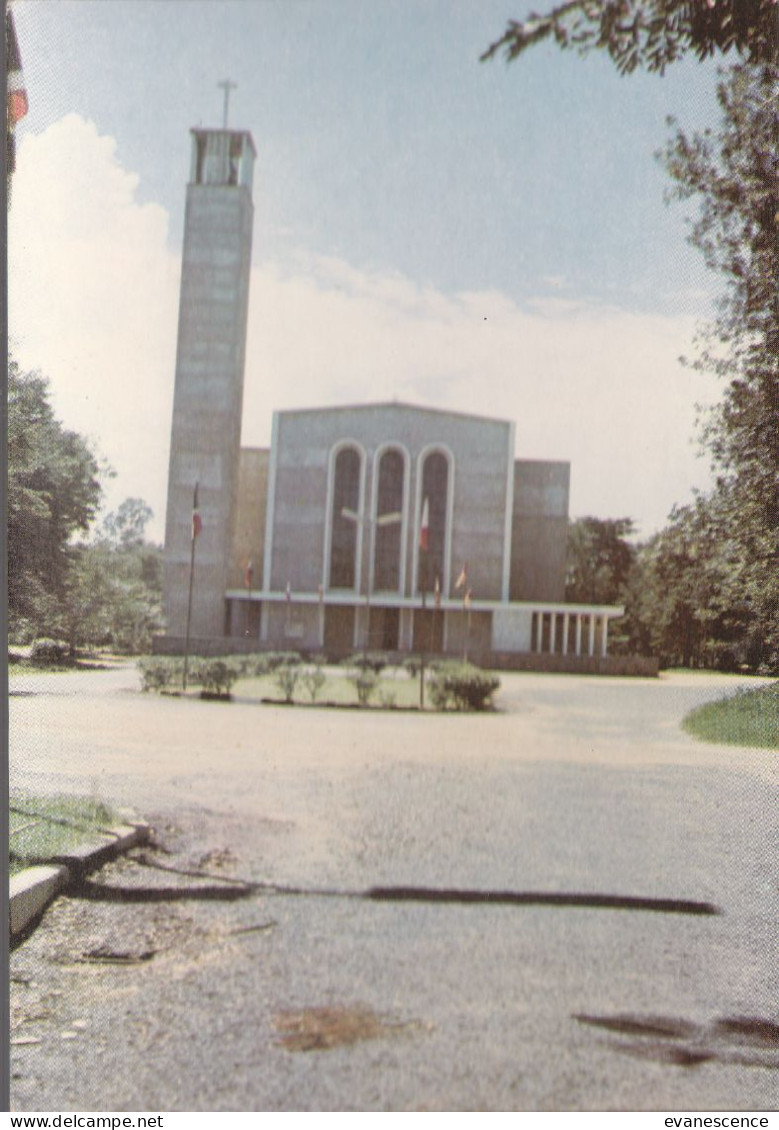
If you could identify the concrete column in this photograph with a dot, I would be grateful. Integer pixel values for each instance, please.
(405, 630)
(539, 631)
(578, 633)
(604, 637)
(565, 633)
(593, 620)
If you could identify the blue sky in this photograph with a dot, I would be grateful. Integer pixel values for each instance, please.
(477, 236)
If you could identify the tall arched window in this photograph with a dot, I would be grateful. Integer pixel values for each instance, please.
(435, 486)
(345, 519)
(389, 522)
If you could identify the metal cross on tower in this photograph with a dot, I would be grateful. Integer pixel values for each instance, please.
(227, 86)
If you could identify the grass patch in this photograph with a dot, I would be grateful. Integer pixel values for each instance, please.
(44, 827)
(747, 718)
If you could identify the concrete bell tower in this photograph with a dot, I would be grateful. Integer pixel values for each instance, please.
(208, 395)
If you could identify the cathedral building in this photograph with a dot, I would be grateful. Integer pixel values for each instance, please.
(386, 526)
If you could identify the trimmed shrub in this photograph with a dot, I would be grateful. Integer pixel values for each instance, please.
(158, 673)
(216, 676)
(461, 686)
(49, 652)
(313, 679)
(411, 666)
(287, 677)
(365, 683)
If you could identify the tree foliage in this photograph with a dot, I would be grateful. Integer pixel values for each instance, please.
(126, 526)
(686, 601)
(649, 34)
(599, 560)
(53, 494)
(102, 592)
(734, 175)
(112, 597)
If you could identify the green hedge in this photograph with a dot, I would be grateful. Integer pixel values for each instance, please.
(461, 686)
(50, 652)
(215, 676)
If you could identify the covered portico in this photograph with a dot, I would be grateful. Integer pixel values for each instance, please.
(284, 619)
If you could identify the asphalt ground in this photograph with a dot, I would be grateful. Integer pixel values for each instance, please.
(238, 966)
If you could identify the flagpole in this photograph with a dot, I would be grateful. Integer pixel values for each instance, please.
(466, 625)
(424, 562)
(422, 639)
(248, 578)
(189, 598)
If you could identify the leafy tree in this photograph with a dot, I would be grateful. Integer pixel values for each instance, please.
(126, 526)
(113, 596)
(599, 560)
(734, 174)
(53, 494)
(125, 571)
(649, 34)
(685, 599)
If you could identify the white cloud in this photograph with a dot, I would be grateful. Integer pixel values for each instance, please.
(94, 299)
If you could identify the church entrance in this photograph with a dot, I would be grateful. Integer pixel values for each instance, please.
(384, 629)
(339, 630)
(428, 630)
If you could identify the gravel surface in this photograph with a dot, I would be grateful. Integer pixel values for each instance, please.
(235, 965)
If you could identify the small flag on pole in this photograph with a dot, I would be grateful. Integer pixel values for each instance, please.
(462, 580)
(249, 574)
(197, 521)
(17, 105)
(17, 95)
(424, 527)
(437, 591)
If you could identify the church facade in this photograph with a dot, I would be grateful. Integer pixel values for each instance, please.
(383, 526)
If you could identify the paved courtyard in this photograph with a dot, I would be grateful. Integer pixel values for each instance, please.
(292, 991)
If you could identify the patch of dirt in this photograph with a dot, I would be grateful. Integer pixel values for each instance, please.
(218, 857)
(322, 1029)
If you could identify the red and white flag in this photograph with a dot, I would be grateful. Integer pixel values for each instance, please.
(197, 521)
(17, 95)
(424, 527)
(462, 580)
(16, 105)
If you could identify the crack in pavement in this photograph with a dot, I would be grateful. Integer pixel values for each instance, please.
(243, 888)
